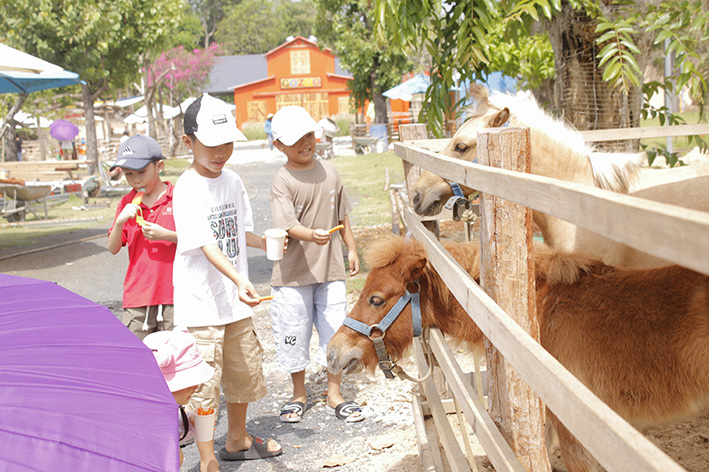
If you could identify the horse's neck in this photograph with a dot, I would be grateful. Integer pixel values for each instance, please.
(550, 158)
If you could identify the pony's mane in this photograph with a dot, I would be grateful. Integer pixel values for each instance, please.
(526, 112)
(389, 248)
(611, 171)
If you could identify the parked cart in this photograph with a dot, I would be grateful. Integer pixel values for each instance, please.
(17, 198)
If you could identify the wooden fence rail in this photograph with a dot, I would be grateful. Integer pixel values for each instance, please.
(681, 235)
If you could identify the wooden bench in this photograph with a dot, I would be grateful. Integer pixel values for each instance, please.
(44, 171)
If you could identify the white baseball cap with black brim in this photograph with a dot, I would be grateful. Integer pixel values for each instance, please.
(212, 121)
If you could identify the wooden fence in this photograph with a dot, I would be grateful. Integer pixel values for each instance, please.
(680, 235)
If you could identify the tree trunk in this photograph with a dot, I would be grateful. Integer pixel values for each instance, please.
(379, 100)
(581, 95)
(8, 129)
(91, 142)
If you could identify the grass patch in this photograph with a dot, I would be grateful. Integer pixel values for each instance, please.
(678, 142)
(364, 178)
(253, 131)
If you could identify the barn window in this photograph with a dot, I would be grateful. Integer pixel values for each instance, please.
(300, 62)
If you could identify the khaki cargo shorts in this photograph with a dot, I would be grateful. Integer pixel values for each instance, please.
(236, 355)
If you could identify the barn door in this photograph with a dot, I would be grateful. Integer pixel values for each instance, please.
(315, 103)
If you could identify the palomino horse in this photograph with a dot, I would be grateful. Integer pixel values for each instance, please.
(637, 338)
(558, 151)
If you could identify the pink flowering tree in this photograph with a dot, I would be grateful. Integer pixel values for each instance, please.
(173, 76)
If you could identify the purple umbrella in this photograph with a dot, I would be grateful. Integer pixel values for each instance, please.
(63, 130)
(78, 391)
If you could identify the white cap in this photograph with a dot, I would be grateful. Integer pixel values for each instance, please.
(291, 123)
(211, 120)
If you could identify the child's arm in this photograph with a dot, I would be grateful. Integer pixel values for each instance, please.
(318, 236)
(247, 292)
(115, 237)
(254, 240)
(349, 240)
(155, 232)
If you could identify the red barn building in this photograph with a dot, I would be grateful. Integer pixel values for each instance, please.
(296, 73)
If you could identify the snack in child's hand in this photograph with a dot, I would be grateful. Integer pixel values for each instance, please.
(138, 196)
(202, 411)
(267, 297)
(137, 199)
(338, 227)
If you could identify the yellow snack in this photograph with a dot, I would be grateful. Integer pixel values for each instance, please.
(137, 199)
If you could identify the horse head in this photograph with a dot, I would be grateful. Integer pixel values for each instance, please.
(431, 191)
(397, 266)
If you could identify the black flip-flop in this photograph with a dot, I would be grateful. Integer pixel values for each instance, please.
(292, 407)
(344, 410)
(258, 450)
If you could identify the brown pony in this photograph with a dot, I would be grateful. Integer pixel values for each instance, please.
(559, 151)
(638, 338)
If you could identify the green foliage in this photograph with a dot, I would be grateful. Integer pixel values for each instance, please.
(101, 40)
(467, 39)
(347, 26)
(257, 26)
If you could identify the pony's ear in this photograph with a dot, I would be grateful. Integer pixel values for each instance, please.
(499, 118)
(417, 265)
(479, 94)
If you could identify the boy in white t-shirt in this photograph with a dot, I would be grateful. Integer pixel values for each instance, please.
(213, 295)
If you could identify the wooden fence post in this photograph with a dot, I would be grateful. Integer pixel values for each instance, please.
(507, 275)
(411, 172)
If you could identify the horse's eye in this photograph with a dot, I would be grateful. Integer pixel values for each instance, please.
(376, 301)
(461, 147)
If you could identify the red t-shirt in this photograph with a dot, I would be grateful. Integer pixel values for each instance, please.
(149, 275)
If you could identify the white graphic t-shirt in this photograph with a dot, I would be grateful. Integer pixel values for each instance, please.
(209, 211)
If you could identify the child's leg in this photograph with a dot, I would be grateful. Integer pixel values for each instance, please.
(292, 322)
(330, 300)
(243, 383)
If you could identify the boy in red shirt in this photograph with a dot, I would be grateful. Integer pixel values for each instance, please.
(147, 227)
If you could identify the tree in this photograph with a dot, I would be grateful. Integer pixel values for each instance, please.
(177, 72)
(600, 47)
(348, 27)
(257, 26)
(102, 40)
(210, 13)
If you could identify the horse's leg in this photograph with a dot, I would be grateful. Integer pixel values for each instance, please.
(575, 456)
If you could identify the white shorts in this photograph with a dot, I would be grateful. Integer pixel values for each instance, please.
(294, 312)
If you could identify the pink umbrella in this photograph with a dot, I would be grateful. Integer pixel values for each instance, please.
(63, 130)
(78, 391)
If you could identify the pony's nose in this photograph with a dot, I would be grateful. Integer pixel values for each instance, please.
(417, 198)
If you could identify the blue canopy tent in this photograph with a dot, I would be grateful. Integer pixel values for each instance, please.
(23, 74)
(28, 82)
(405, 90)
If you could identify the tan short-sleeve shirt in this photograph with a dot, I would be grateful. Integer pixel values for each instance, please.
(313, 198)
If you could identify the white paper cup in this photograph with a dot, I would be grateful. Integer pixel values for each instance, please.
(204, 427)
(275, 239)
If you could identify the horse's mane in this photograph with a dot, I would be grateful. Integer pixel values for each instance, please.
(554, 267)
(614, 171)
(389, 248)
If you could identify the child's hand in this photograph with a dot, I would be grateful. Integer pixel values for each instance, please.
(321, 237)
(154, 232)
(353, 262)
(129, 212)
(248, 294)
